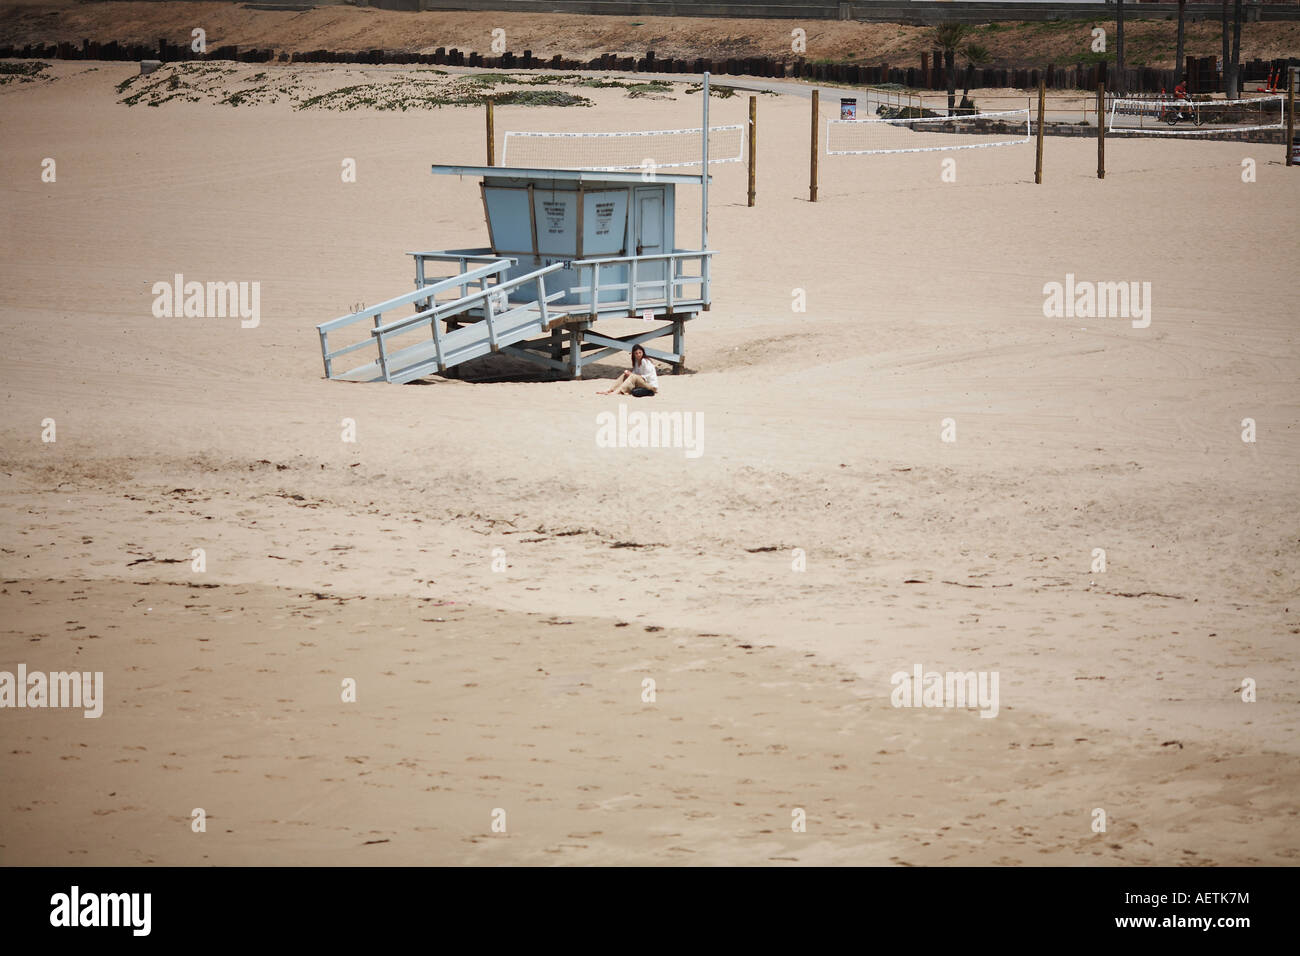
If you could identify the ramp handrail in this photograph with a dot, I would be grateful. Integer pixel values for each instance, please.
(422, 294)
(462, 257)
(488, 297)
(460, 305)
(474, 255)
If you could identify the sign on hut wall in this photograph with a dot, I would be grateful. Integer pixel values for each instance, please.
(604, 222)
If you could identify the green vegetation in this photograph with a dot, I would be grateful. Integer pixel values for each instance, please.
(544, 98)
(23, 72)
(508, 79)
(418, 89)
(404, 96)
(655, 89)
(256, 94)
(905, 112)
(195, 82)
(22, 69)
(716, 89)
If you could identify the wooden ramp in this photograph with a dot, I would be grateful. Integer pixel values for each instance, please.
(418, 345)
(458, 345)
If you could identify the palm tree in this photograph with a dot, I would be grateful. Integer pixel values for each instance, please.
(976, 55)
(1227, 60)
(949, 36)
(1236, 50)
(1119, 47)
(1178, 56)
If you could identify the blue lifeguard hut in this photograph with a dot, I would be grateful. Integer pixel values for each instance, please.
(567, 249)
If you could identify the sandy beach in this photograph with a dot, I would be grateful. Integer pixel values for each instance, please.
(522, 689)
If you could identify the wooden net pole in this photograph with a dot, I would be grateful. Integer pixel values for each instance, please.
(753, 153)
(1038, 163)
(1293, 74)
(491, 135)
(812, 170)
(1101, 130)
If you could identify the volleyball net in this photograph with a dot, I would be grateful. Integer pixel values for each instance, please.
(924, 134)
(661, 148)
(1165, 116)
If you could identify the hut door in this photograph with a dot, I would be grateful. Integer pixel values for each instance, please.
(650, 241)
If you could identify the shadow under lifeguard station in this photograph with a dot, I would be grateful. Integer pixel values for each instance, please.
(567, 249)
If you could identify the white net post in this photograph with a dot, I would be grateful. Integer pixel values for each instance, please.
(704, 192)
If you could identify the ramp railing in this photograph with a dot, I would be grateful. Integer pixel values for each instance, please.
(425, 295)
(497, 316)
(463, 258)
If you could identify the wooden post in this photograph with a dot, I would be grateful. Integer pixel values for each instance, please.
(812, 171)
(1038, 163)
(1101, 130)
(753, 135)
(491, 135)
(1293, 76)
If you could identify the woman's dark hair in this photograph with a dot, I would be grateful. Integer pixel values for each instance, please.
(634, 351)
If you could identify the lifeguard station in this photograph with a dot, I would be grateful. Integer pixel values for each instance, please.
(567, 249)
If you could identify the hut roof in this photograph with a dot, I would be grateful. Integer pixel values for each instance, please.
(568, 175)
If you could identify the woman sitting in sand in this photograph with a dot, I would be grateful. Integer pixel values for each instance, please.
(640, 380)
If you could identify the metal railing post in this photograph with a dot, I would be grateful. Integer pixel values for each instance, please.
(437, 341)
(489, 312)
(325, 353)
(383, 356)
(705, 295)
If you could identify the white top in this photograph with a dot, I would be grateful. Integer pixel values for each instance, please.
(647, 371)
